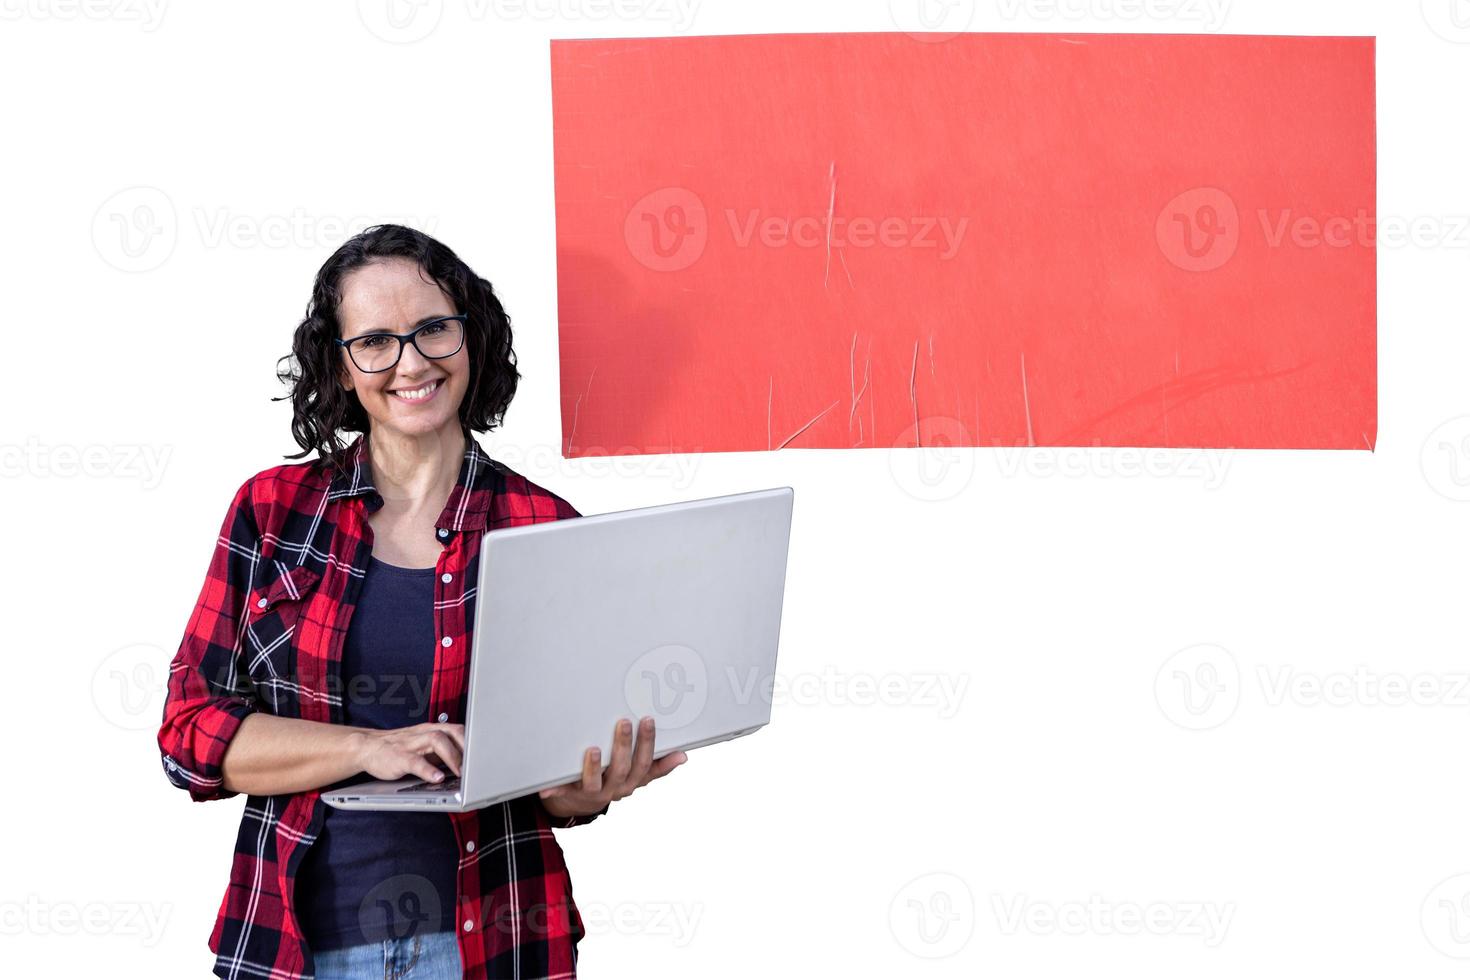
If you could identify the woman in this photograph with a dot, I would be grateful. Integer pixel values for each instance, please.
(330, 640)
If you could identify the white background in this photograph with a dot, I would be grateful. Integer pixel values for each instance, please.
(1021, 827)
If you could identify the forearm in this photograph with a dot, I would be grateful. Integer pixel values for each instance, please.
(270, 755)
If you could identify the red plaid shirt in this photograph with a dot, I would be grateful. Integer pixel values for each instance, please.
(267, 635)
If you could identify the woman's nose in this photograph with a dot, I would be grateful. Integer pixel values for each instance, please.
(411, 361)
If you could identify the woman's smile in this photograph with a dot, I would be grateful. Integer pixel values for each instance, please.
(422, 393)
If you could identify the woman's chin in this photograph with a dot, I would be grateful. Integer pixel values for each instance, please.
(412, 421)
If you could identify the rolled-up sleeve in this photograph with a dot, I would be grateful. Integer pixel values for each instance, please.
(209, 688)
(565, 823)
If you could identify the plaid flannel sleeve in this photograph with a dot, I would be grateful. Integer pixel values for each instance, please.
(565, 822)
(209, 689)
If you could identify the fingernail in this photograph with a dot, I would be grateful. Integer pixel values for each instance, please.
(625, 726)
(437, 776)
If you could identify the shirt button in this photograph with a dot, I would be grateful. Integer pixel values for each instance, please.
(446, 578)
(469, 846)
(444, 532)
(262, 603)
(469, 925)
(443, 717)
(448, 641)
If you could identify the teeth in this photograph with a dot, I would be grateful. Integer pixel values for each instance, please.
(417, 393)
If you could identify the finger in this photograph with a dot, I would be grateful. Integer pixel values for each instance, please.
(427, 746)
(424, 769)
(622, 755)
(662, 767)
(455, 732)
(591, 775)
(592, 770)
(448, 752)
(423, 741)
(642, 753)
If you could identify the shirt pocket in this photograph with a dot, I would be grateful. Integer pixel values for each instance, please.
(275, 608)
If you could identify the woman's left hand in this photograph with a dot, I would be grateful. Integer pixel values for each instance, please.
(630, 768)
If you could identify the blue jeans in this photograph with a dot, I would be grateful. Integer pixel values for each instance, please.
(434, 956)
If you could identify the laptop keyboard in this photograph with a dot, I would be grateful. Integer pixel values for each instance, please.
(446, 786)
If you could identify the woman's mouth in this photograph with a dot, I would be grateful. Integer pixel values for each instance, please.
(420, 394)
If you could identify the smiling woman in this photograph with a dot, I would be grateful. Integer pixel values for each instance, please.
(336, 585)
(378, 286)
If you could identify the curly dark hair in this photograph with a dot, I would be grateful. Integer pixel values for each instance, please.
(321, 408)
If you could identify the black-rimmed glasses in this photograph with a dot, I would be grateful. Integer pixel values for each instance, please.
(440, 337)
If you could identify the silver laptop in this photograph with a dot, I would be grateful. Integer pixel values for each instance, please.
(671, 611)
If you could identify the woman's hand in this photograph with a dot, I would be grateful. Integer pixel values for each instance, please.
(629, 769)
(271, 756)
(418, 750)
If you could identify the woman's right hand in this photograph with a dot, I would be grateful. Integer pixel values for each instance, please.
(393, 753)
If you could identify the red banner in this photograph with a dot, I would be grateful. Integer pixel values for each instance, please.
(885, 240)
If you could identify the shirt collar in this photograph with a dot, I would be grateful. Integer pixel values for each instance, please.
(468, 507)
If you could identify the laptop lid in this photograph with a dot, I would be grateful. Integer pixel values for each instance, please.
(671, 611)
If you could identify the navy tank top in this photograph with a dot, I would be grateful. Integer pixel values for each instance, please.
(373, 876)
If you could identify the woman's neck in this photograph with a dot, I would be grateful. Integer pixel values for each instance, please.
(416, 471)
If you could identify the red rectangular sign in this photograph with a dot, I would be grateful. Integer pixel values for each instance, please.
(888, 240)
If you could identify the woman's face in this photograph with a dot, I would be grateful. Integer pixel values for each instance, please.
(391, 296)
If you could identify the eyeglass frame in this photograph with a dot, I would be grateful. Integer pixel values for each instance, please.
(407, 338)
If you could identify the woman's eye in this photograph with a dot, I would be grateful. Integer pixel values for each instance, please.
(433, 328)
(372, 343)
